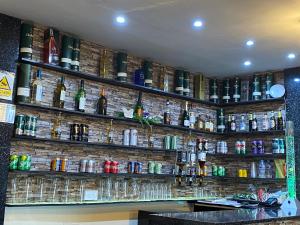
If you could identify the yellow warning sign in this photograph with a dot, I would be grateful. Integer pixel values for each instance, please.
(6, 84)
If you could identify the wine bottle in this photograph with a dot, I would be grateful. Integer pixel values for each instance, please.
(242, 123)
(228, 123)
(186, 83)
(233, 124)
(60, 94)
(256, 91)
(185, 116)
(254, 123)
(272, 121)
(104, 64)
(56, 127)
(37, 88)
(148, 72)
(80, 98)
(178, 82)
(236, 90)
(139, 108)
(66, 52)
(280, 123)
(265, 122)
(269, 83)
(51, 49)
(213, 91)
(102, 104)
(167, 116)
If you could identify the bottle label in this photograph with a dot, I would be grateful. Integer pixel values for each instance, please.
(26, 50)
(82, 103)
(187, 90)
(233, 127)
(39, 93)
(214, 97)
(193, 157)
(268, 92)
(148, 81)
(179, 88)
(75, 63)
(226, 97)
(121, 74)
(221, 127)
(256, 93)
(22, 91)
(236, 96)
(62, 95)
(65, 60)
(186, 123)
(272, 124)
(254, 125)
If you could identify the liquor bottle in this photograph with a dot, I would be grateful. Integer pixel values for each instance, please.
(253, 123)
(200, 123)
(104, 64)
(26, 40)
(236, 90)
(266, 122)
(150, 138)
(60, 94)
(66, 52)
(56, 127)
(213, 91)
(163, 79)
(256, 91)
(207, 124)
(37, 88)
(186, 83)
(229, 123)
(139, 108)
(102, 103)
(199, 86)
(211, 125)
(75, 54)
(80, 98)
(122, 66)
(269, 83)
(263, 87)
(148, 72)
(178, 89)
(167, 115)
(24, 77)
(51, 49)
(233, 124)
(220, 121)
(185, 116)
(110, 133)
(272, 121)
(226, 91)
(242, 123)
(280, 124)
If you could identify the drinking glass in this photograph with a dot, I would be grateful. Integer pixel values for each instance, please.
(67, 183)
(41, 182)
(13, 189)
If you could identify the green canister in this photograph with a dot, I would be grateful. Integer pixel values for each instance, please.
(122, 66)
(236, 95)
(220, 120)
(214, 170)
(24, 78)
(167, 142)
(213, 91)
(151, 166)
(269, 83)
(26, 40)
(75, 54)
(178, 84)
(186, 83)
(30, 125)
(157, 168)
(66, 52)
(226, 91)
(24, 162)
(148, 73)
(256, 91)
(173, 143)
(13, 162)
(19, 124)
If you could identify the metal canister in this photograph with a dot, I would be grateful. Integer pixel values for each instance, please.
(13, 162)
(281, 146)
(84, 133)
(91, 166)
(151, 166)
(107, 165)
(220, 171)
(214, 170)
(260, 147)
(83, 165)
(238, 147)
(133, 137)
(245, 173)
(22, 162)
(75, 132)
(28, 163)
(114, 167)
(19, 124)
(64, 165)
(27, 126)
(126, 137)
(275, 146)
(167, 142)
(243, 147)
(173, 143)
(157, 168)
(131, 167)
(254, 147)
(55, 164)
(138, 167)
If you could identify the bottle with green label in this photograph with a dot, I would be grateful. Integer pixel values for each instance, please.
(80, 98)
(122, 66)
(148, 73)
(24, 77)
(186, 83)
(226, 91)
(269, 83)
(66, 52)
(221, 121)
(213, 91)
(236, 96)
(178, 82)
(26, 40)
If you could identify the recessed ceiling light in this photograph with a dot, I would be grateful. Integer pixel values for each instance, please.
(250, 43)
(247, 63)
(297, 79)
(120, 19)
(198, 23)
(291, 56)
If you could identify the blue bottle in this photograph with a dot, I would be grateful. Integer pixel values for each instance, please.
(139, 77)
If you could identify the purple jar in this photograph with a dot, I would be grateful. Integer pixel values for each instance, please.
(254, 147)
(260, 147)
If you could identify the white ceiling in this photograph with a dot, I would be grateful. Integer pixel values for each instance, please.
(162, 29)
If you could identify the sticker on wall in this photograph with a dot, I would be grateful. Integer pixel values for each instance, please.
(7, 113)
(6, 84)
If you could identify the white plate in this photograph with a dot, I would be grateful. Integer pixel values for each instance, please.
(277, 91)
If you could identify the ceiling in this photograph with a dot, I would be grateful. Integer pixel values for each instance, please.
(162, 29)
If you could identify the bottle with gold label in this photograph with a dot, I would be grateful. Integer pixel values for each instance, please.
(104, 64)
(56, 127)
(102, 104)
(139, 108)
(163, 80)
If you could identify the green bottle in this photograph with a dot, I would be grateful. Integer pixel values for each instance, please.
(139, 108)
(80, 98)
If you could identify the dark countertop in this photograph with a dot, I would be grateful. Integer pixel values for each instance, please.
(225, 217)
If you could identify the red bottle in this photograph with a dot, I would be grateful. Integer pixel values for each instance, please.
(107, 166)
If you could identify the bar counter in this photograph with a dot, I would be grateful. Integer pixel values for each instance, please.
(260, 216)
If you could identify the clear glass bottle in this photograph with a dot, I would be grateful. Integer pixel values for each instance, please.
(242, 123)
(60, 94)
(265, 122)
(37, 88)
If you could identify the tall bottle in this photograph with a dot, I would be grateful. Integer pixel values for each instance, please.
(185, 116)
(163, 82)
(56, 127)
(213, 91)
(37, 88)
(280, 124)
(139, 108)
(167, 115)
(229, 123)
(51, 49)
(272, 121)
(252, 122)
(226, 91)
(242, 123)
(102, 103)
(256, 88)
(110, 133)
(104, 64)
(236, 90)
(233, 124)
(80, 98)
(266, 122)
(60, 94)
(220, 121)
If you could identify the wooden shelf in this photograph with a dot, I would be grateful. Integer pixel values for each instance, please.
(98, 144)
(247, 156)
(269, 132)
(95, 77)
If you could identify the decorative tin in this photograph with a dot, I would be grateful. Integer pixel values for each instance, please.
(19, 124)
(269, 83)
(75, 54)
(24, 78)
(148, 73)
(213, 91)
(226, 91)
(199, 86)
(66, 52)
(221, 120)
(256, 89)
(178, 82)
(236, 90)
(122, 66)
(26, 40)
(186, 83)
